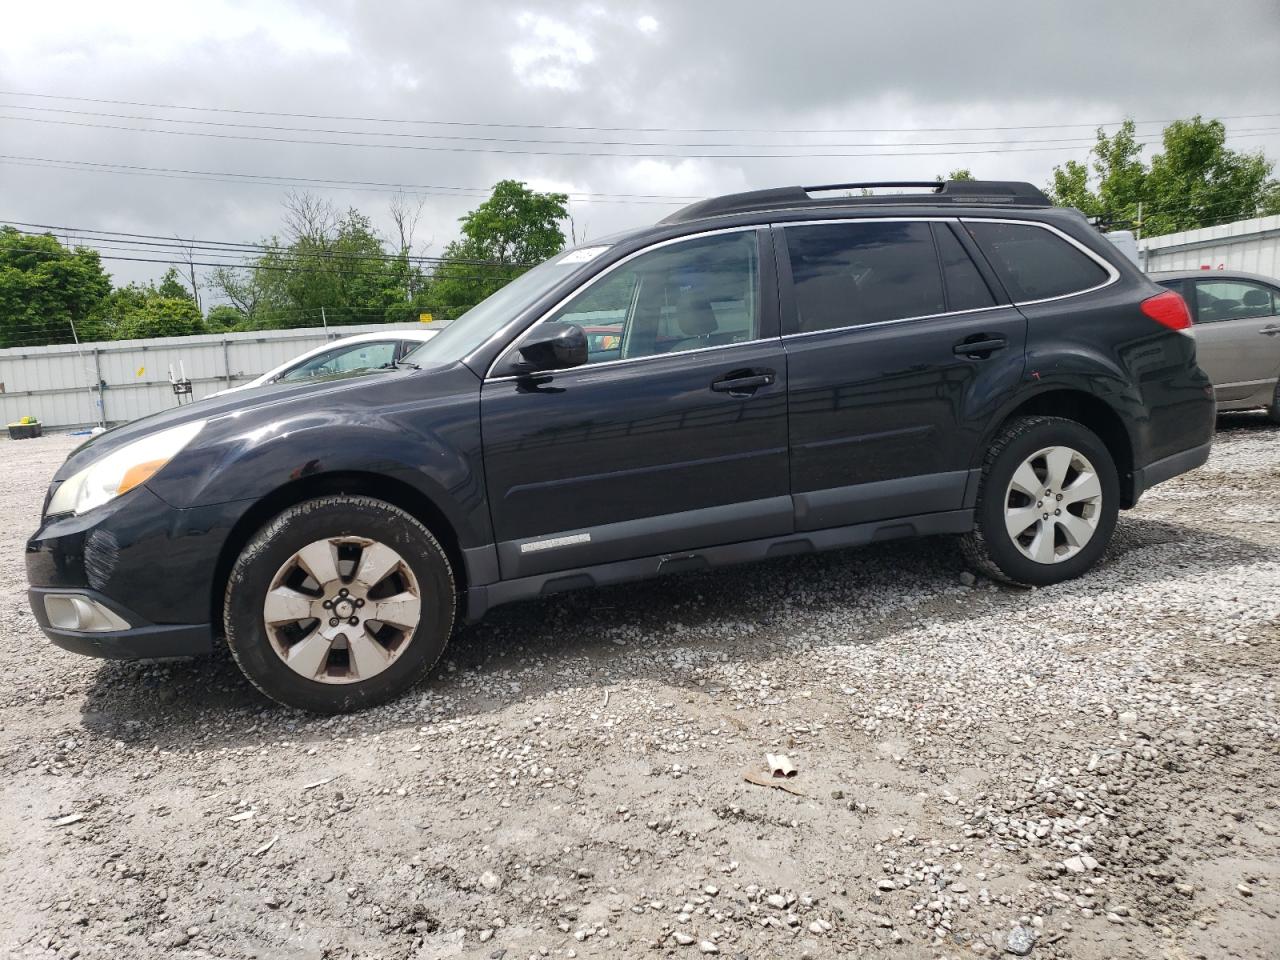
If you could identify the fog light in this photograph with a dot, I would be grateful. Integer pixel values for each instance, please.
(67, 611)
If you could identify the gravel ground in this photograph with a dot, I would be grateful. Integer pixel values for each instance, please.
(1089, 770)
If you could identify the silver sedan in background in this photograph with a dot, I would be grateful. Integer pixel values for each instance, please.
(1237, 324)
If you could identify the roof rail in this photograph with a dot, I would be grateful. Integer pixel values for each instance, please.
(953, 192)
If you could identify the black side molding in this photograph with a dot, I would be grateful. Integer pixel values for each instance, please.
(1144, 478)
(481, 599)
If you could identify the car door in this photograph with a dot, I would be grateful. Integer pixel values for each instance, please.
(1238, 337)
(893, 370)
(672, 436)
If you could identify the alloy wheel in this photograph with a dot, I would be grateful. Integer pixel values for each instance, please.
(342, 609)
(1053, 504)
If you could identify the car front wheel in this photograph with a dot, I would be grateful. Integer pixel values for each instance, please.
(338, 604)
(1047, 503)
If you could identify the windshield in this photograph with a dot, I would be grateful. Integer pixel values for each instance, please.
(489, 316)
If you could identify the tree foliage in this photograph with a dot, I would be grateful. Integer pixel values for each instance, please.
(47, 292)
(514, 229)
(1196, 180)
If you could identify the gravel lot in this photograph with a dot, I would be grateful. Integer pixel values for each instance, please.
(1088, 770)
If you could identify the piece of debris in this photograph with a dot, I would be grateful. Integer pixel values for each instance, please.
(240, 817)
(318, 783)
(266, 846)
(780, 765)
(760, 780)
(68, 820)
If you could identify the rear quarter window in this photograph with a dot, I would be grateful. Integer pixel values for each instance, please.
(1034, 263)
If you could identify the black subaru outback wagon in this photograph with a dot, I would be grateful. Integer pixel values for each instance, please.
(761, 374)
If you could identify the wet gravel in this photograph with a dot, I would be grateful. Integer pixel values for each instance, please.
(1090, 770)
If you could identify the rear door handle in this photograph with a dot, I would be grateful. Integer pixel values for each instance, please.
(743, 383)
(982, 346)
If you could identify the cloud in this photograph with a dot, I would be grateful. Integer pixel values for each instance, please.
(688, 75)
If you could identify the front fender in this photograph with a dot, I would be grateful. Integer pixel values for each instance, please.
(428, 439)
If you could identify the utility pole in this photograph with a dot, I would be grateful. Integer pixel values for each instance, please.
(325, 322)
(1142, 255)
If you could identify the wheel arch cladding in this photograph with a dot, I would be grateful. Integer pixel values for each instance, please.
(348, 483)
(1089, 411)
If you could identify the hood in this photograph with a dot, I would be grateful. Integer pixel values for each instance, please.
(263, 399)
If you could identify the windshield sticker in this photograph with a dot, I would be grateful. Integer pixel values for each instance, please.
(583, 255)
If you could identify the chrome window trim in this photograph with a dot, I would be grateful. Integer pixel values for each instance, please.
(1112, 276)
(753, 228)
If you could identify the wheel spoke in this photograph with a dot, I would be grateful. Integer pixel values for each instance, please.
(376, 562)
(320, 559)
(286, 605)
(1086, 487)
(1057, 463)
(1025, 481)
(401, 610)
(367, 655)
(1078, 529)
(309, 656)
(1018, 519)
(1041, 548)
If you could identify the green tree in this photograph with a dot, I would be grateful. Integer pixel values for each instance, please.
(172, 286)
(223, 318)
(47, 290)
(504, 236)
(139, 312)
(1196, 181)
(327, 268)
(963, 173)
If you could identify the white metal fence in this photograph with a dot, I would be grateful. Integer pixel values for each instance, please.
(1252, 246)
(112, 382)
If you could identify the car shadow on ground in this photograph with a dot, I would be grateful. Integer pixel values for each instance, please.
(595, 638)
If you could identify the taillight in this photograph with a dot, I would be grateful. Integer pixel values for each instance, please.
(1169, 310)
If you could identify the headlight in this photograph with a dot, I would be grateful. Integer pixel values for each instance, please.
(122, 470)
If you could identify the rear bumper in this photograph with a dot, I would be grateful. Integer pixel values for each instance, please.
(1144, 478)
(143, 640)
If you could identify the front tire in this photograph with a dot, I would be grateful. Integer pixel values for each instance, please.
(1047, 503)
(338, 604)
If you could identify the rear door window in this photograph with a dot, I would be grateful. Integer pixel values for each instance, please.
(850, 274)
(1034, 263)
(966, 290)
(1218, 300)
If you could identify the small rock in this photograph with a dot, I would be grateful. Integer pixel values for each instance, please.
(710, 890)
(683, 938)
(1128, 718)
(967, 579)
(1074, 864)
(776, 900)
(490, 881)
(1019, 941)
(706, 946)
(816, 927)
(1244, 889)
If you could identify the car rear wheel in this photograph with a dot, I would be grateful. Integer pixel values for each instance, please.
(338, 604)
(1047, 503)
(1273, 411)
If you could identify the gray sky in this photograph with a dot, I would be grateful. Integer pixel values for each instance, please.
(879, 75)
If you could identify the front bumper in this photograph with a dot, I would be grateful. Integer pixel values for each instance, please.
(151, 565)
(142, 640)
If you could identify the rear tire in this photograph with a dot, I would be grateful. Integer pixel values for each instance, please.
(1047, 503)
(338, 604)
(1273, 411)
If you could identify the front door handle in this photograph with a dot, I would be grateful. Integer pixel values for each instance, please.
(980, 346)
(1270, 331)
(743, 383)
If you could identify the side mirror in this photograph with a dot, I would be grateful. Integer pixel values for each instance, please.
(553, 346)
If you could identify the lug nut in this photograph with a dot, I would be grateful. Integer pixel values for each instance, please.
(1039, 503)
(359, 603)
(1057, 513)
(353, 621)
(342, 592)
(327, 604)
(1046, 516)
(333, 621)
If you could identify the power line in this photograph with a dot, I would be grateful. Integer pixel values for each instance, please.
(235, 246)
(585, 128)
(273, 180)
(281, 128)
(808, 154)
